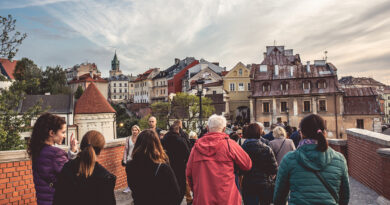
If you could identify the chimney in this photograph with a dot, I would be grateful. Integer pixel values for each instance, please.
(308, 66)
(177, 61)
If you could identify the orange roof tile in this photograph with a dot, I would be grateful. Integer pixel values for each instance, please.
(9, 67)
(92, 102)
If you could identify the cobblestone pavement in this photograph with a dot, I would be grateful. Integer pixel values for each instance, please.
(360, 195)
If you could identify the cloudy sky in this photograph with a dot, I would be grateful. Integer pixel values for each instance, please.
(151, 33)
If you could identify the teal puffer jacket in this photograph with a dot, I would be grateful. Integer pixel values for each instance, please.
(304, 186)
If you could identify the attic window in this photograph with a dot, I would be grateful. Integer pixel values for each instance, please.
(321, 84)
(240, 72)
(284, 86)
(263, 68)
(276, 70)
(266, 87)
(306, 85)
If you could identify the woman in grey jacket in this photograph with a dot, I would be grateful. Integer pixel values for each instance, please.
(129, 146)
(280, 145)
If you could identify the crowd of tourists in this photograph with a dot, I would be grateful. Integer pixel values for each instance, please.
(227, 165)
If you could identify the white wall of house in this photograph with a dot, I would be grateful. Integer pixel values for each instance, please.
(104, 123)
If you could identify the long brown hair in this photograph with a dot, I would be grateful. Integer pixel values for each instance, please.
(91, 145)
(40, 133)
(313, 126)
(148, 146)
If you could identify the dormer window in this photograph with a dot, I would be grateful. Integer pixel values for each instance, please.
(306, 85)
(284, 86)
(266, 87)
(321, 84)
(240, 72)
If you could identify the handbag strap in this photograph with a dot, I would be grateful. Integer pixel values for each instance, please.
(155, 174)
(276, 155)
(327, 186)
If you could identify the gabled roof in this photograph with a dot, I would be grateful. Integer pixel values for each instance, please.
(92, 102)
(349, 80)
(144, 76)
(57, 104)
(359, 92)
(7, 68)
(87, 78)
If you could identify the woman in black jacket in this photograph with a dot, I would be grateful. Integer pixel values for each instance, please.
(258, 183)
(83, 180)
(149, 175)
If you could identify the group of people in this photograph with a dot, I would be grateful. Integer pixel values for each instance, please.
(163, 168)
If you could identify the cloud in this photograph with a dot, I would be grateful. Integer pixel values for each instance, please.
(152, 33)
(18, 4)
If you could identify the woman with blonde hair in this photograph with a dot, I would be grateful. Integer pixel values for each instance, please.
(150, 176)
(130, 142)
(83, 180)
(281, 145)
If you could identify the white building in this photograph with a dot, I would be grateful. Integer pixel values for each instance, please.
(79, 70)
(144, 86)
(118, 88)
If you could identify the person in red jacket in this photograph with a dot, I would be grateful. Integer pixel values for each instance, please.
(210, 168)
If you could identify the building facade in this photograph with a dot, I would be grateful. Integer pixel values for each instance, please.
(143, 86)
(238, 85)
(118, 88)
(284, 90)
(85, 80)
(386, 97)
(82, 69)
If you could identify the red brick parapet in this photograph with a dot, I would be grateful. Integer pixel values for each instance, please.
(16, 181)
(339, 145)
(384, 153)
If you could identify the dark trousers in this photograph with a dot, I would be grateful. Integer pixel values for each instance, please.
(263, 197)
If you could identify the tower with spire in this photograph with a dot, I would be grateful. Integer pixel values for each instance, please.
(115, 71)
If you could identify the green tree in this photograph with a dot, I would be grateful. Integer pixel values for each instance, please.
(54, 81)
(29, 75)
(186, 108)
(124, 122)
(9, 38)
(161, 111)
(12, 123)
(79, 92)
(143, 122)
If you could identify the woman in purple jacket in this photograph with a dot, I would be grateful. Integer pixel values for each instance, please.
(48, 160)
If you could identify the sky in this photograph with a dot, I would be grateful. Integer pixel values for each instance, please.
(152, 33)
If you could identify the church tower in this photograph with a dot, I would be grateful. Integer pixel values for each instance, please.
(115, 66)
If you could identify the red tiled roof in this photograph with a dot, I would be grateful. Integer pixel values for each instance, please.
(224, 73)
(87, 78)
(357, 92)
(143, 76)
(9, 67)
(92, 102)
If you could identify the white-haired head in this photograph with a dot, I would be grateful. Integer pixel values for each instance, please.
(261, 125)
(216, 123)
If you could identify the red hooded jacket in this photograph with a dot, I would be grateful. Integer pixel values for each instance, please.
(210, 169)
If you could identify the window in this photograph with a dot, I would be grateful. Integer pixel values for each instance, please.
(131, 85)
(284, 86)
(276, 70)
(283, 107)
(322, 105)
(241, 87)
(214, 92)
(125, 90)
(306, 85)
(263, 68)
(306, 106)
(321, 84)
(232, 87)
(266, 107)
(114, 96)
(249, 86)
(125, 84)
(360, 123)
(388, 97)
(266, 124)
(388, 104)
(240, 72)
(120, 84)
(266, 87)
(114, 84)
(120, 97)
(114, 90)
(120, 90)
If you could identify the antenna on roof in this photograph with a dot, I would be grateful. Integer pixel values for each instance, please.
(326, 55)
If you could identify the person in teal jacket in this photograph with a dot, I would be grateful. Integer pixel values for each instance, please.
(296, 179)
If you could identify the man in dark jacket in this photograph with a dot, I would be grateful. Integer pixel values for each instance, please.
(183, 134)
(178, 152)
(270, 135)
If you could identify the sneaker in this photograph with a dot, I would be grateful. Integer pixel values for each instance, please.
(127, 190)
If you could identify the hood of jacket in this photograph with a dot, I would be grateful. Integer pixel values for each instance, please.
(308, 156)
(210, 143)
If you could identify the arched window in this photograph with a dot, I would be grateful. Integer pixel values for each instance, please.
(284, 86)
(321, 84)
(266, 87)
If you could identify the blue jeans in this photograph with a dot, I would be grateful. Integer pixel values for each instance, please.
(263, 198)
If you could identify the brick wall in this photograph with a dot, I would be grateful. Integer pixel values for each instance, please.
(364, 162)
(16, 181)
(339, 145)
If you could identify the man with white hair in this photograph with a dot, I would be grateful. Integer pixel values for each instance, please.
(210, 168)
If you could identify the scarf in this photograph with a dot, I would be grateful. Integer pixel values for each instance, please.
(307, 141)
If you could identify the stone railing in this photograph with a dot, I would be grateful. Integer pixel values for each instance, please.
(368, 157)
(16, 181)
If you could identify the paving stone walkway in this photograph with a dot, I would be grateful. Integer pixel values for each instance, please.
(360, 195)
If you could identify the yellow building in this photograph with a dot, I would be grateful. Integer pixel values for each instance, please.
(237, 83)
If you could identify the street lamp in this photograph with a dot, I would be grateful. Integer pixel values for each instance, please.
(199, 85)
(288, 119)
